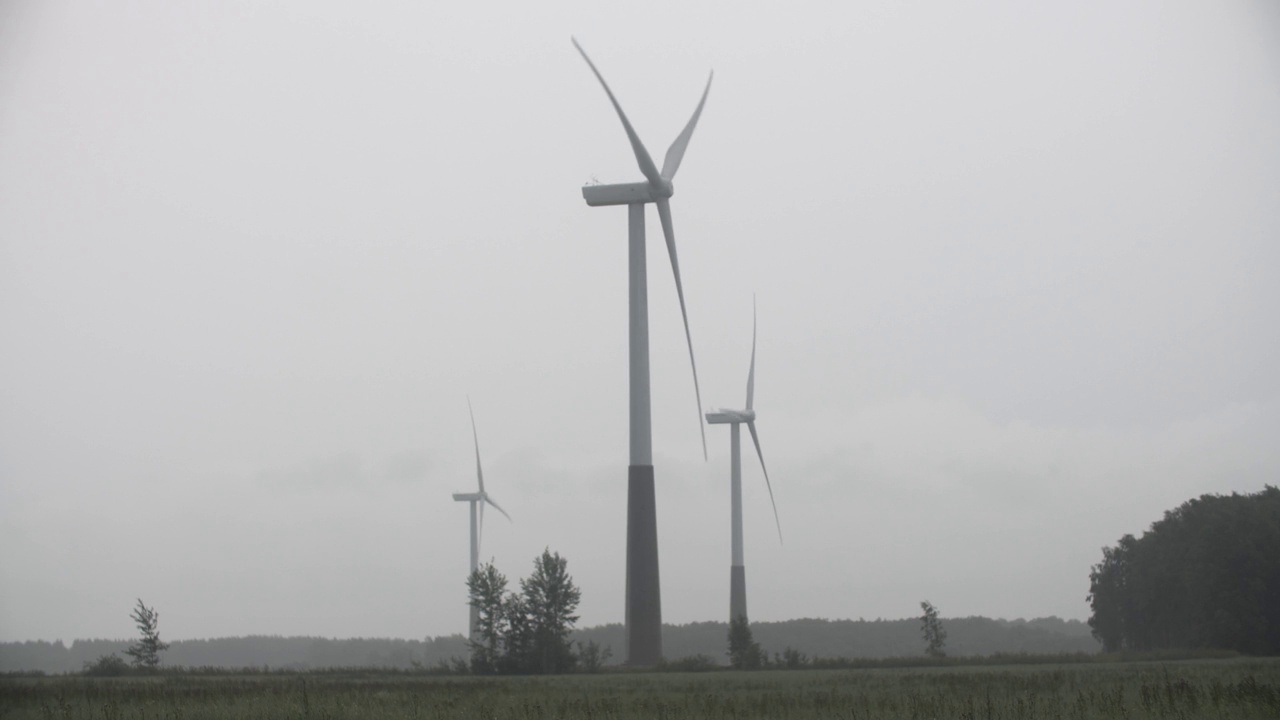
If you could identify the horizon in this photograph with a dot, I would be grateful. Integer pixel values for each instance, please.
(432, 638)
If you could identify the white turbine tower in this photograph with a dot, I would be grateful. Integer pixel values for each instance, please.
(734, 419)
(644, 598)
(477, 500)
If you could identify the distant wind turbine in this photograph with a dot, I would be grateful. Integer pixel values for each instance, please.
(734, 419)
(643, 636)
(477, 500)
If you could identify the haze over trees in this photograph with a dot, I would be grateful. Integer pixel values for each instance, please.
(1207, 575)
(814, 637)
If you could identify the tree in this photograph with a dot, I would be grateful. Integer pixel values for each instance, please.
(791, 659)
(526, 632)
(1206, 575)
(146, 652)
(592, 657)
(486, 589)
(935, 636)
(1109, 594)
(550, 599)
(517, 655)
(744, 651)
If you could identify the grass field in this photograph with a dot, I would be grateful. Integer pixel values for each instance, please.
(1238, 688)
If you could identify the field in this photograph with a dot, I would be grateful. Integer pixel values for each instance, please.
(1237, 688)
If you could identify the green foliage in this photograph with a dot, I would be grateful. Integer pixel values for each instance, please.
(791, 659)
(592, 657)
(550, 599)
(935, 636)
(107, 666)
(518, 642)
(526, 632)
(486, 589)
(1207, 575)
(744, 651)
(146, 652)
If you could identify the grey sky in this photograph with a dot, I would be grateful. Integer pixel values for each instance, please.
(1016, 267)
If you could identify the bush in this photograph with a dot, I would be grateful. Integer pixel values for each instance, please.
(592, 657)
(692, 663)
(791, 659)
(107, 666)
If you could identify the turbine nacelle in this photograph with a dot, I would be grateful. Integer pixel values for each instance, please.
(626, 193)
(730, 417)
(469, 497)
(748, 417)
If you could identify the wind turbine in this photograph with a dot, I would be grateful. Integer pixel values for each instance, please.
(735, 419)
(644, 598)
(477, 500)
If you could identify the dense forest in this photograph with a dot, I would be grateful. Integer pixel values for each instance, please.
(816, 638)
(1207, 575)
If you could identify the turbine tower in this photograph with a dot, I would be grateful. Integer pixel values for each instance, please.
(477, 500)
(734, 419)
(643, 595)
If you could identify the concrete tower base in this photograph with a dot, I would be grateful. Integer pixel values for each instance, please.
(644, 596)
(737, 592)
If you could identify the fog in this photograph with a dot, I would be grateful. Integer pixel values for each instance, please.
(1016, 272)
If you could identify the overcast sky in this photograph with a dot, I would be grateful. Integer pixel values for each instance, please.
(1016, 266)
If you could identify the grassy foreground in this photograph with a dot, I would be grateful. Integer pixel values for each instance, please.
(1239, 688)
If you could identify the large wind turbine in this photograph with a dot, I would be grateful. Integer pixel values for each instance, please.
(477, 500)
(734, 419)
(644, 598)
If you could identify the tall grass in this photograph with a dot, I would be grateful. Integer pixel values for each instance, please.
(1238, 688)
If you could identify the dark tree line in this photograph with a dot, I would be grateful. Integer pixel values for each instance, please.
(1207, 575)
(816, 638)
(528, 631)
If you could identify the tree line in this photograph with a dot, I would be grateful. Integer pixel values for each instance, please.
(1205, 576)
(814, 637)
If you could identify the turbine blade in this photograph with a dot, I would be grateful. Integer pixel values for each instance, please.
(756, 439)
(675, 153)
(476, 437)
(491, 501)
(642, 156)
(664, 214)
(751, 376)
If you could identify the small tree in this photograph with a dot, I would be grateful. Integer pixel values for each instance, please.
(935, 637)
(518, 642)
(550, 599)
(146, 652)
(744, 651)
(592, 657)
(485, 590)
(791, 659)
